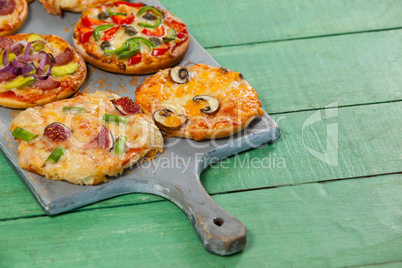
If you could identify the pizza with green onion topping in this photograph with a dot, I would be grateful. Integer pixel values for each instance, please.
(85, 139)
(130, 38)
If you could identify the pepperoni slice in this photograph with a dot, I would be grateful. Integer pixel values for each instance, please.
(6, 7)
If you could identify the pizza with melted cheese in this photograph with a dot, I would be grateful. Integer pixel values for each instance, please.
(85, 139)
(56, 7)
(37, 69)
(130, 38)
(199, 102)
(13, 14)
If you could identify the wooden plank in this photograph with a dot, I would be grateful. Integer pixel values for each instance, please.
(341, 223)
(312, 73)
(232, 22)
(368, 136)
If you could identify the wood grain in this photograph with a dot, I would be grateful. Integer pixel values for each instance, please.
(342, 223)
(368, 136)
(233, 22)
(310, 74)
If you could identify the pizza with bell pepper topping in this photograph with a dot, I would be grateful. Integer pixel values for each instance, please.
(38, 69)
(130, 38)
(12, 15)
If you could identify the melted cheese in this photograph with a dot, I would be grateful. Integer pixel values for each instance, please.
(83, 162)
(239, 101)
(10, 21)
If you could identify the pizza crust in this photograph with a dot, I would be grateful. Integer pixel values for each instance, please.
(56, 7)
(20, 99)
(10, 24)
(120, 66)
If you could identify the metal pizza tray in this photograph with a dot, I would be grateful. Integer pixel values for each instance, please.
(179, 181)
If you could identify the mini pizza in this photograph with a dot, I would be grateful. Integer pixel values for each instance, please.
(56, 7)
(130, 38)
(37, 69)
(199, 102)
(84, 139)
(12, 15)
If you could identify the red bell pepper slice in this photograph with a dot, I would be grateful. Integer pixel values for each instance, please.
(159, 51)
(121, 19)
(134, 60)
(88, 21)
(109, 34)
(84, 34)
(181, 29)
(159, 32)
(138, 5)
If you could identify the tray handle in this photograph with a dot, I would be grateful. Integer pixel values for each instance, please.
(219, 231)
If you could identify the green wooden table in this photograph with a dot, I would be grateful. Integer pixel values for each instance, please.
(327, 193)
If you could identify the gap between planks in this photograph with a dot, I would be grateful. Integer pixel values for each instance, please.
(306, 37)
(222, 193)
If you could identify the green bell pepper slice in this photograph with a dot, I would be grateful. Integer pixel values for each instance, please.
(171, 35)
(101, 28)
(130, 53)
(157, 12)
(111, 13)
(142, 40)
(118, 51)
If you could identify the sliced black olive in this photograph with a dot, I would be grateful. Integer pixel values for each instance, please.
(156, 40)
(149, 16)
(242, 77)
(179, 74)
(130, 31)
(104, 45)
(103, 15)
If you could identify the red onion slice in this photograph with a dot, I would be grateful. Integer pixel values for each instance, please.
(5, 57)
(5, 68)
(27, 52)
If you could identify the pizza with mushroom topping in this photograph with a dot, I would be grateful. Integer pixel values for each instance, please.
(37, 69)
(130, 38)
(86, 138)
(13, 14)
(199, 102)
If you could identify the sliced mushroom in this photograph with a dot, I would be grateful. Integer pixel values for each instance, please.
(57, 132)
(105, 139)
(169, 119)
(179, 74)
(213, 103)
(224, 70)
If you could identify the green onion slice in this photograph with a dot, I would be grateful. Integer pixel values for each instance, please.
(23, 134)
(120, 145)
(111, 118)
(56, 154)
(72, 109)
